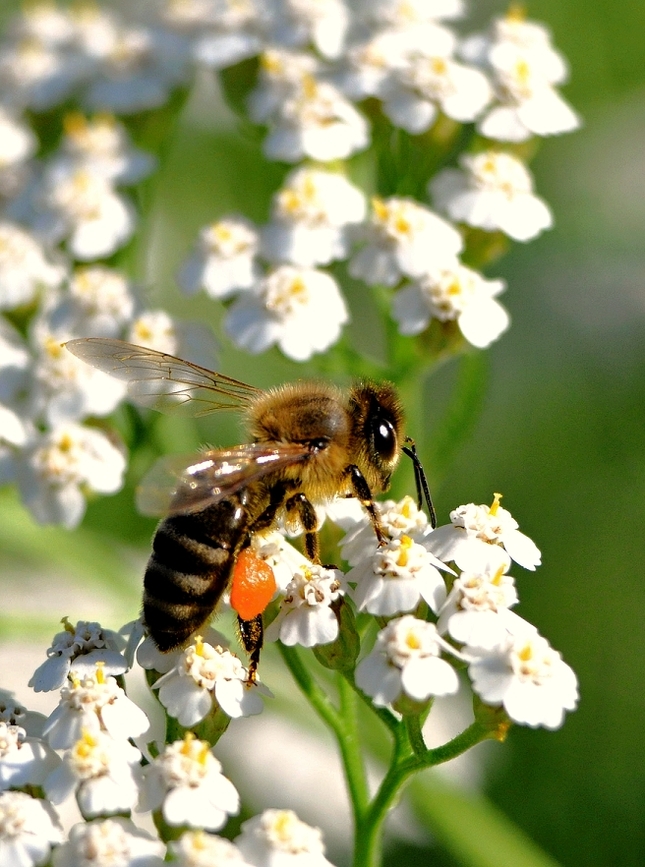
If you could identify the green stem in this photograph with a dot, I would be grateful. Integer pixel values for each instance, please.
(343, 724)
(350, 747)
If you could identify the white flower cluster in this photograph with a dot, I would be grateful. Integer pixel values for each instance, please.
(509, 664)
(85, 750)
(65, 212)
(316, 62)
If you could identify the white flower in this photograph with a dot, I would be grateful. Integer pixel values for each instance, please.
(306, 616)
(115, 842)
(324, 24)
(476, 611)
(397, 519)
(15, 380)
(453, 293)
(493, 190)
(428, 84)
(406, 658)
(474, 529)
(93, 704)
(403, 239)
(316, 121)
(65, 388)
(205, 674)
(223, 261)
(102, 772)
(199, 849)
(58, 466)
(277, 838)
(300, 309)
(526, 676)
(185, 782)
(99, 303)
(224, 32)
(396, 577)
(156, 330)
(312, 216)
(81, 646)
(410, 13)
(23, 760)
(524, 66)
(17, 144)
(152, 659)
(24, 268)
(28, 827)
(103, 147)
(281, 75)
(82, 206)
(136, 67)
(528, 103)
(366, 65)
(38, 75)
(16, 715)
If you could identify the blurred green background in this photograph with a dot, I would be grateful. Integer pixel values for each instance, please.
(561, 432)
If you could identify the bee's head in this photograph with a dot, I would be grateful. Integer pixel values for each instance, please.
(378, 424)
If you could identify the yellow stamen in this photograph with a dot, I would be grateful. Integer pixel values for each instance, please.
(516, 12)
(406, 544)
(526, 653)
(495, 504)
(412, 641)
(406, 506)
(185, 750)
(67, 625)
(497, 578)
(74, 124)
(199, 645)
(86, 744)
(381, 210)
(100, 673)
(203, 755)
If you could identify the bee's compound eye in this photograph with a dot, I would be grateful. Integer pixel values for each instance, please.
(384, 438)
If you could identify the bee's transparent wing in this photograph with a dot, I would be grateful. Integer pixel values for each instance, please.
(178, 484)
(162, 381)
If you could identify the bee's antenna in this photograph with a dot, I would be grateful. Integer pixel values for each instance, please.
(421, 481)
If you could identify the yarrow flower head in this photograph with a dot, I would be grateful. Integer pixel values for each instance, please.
(300, 309)
(467, 540)
(306, 615)
(527, 677)
(278, 837)
(102, 772)
(224, 259)
(406, 659)
(185, 782)
(93, 704)
(28, 829)
(25, 269)
(312, 217)
(403, 239)
(200, 849)
(204, 675)
(115, 842)
(24, 760)
(58, 467)
(396, 577)
(524, 67)
(403, 518)
(477, 610)
(79, 647)
(454, 293)
(493, 190)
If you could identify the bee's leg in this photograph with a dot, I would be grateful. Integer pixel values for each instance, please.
(309, 521)
(364, 496)
(252, 635)
(267, 518)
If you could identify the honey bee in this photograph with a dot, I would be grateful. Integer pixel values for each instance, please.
(309, 442)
